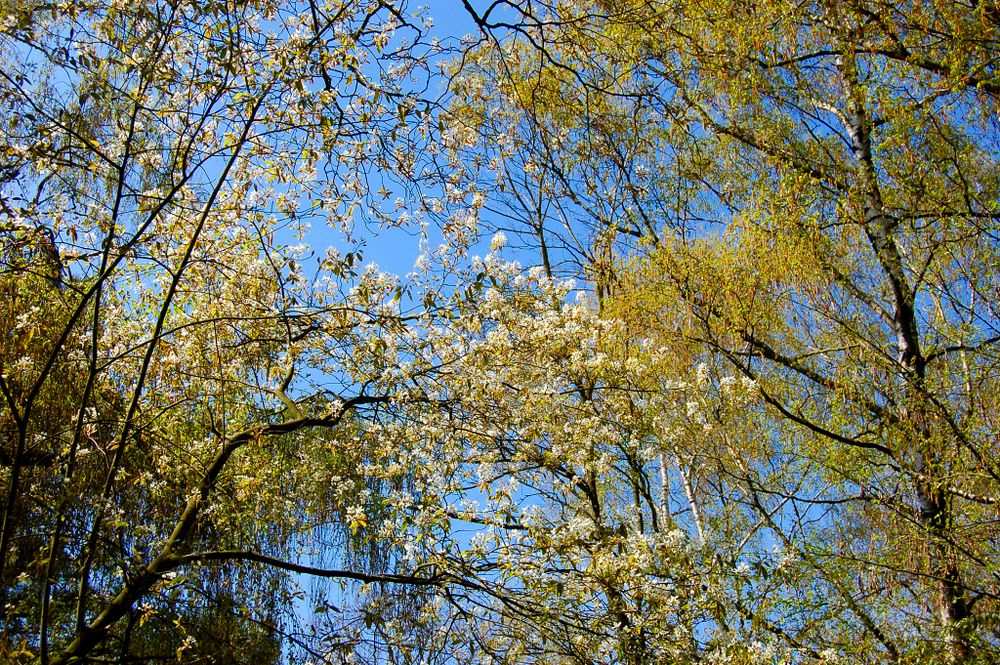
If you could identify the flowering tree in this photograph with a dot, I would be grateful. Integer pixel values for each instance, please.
(804, 196)
(171, 361)
(555, 493)
(768, 438)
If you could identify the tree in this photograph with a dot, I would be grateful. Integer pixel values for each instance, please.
(804, 196)
(769, 438)
(175, 364)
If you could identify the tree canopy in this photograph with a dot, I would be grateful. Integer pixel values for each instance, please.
(697, 361)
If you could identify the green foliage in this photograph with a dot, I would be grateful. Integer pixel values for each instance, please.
(803, 196)
(170, 374)
(770, 438)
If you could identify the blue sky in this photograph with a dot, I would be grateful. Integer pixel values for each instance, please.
(395, 249)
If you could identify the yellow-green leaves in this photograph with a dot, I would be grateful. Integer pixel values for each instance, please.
(803, 197)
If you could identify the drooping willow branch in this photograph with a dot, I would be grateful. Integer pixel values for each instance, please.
(169, 557)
